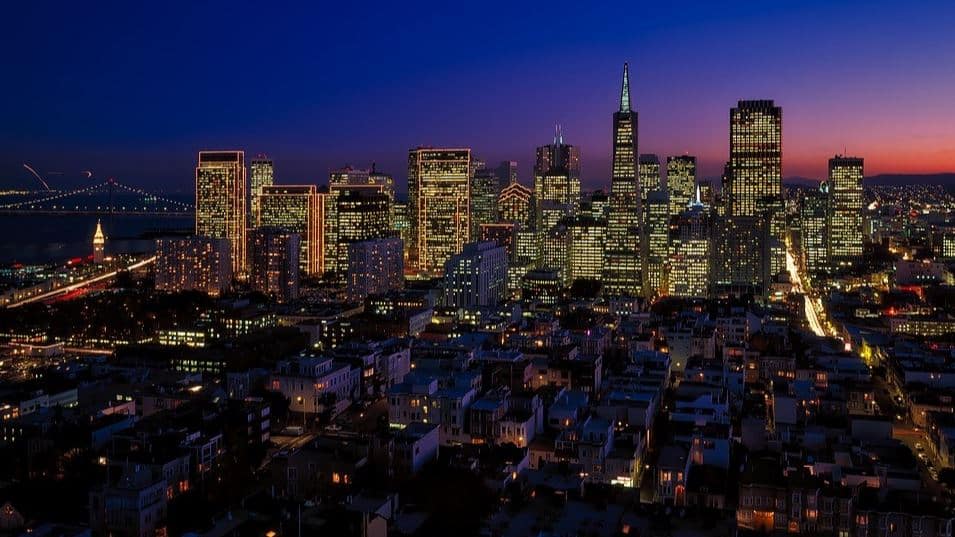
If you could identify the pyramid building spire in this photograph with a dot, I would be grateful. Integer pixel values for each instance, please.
(625, 89)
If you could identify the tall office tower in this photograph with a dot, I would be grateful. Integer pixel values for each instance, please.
(193, 264)
(346, 181)
(507, 172)
(681, 182)
(220, 201)
(754, 182)
(555, 252)
(845, 210)
(360, 215)
(297, 209)
(557, 185)
(501, 234)
(558, 156)
(516, 204)
(551, 213)
(400, 222)
(477, 276)
(261, 174)
(690, 261)
(99, 244)
(274, 263)
(650, 175)
(813, 232)
(527, 246)
(375, 266)
(740, 246)
(439, 193)
(622, 274)
(595, 204)
(658, 243)
(485, 189)
(476, 164)
(587, 238)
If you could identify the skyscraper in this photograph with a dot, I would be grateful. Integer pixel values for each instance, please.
(261, 174)
(845, 210)
(650, 176)
(193, 264)
(375, 266)
(485, 189)
(507, 172)
(361, 215)
(297, 209)
(690, 260)
(221, 201)
(622, 270)
(274, 263)
(658, 242)
(477, 276)
(515, 204)
(681, 182)
(754, 192)
(557, 186)
(586, 257)
(813, 232)
(439, 189)
(559, 156)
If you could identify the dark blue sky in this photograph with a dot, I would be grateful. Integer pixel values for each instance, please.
(135, 89)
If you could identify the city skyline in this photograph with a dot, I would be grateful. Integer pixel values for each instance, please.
(844, 90)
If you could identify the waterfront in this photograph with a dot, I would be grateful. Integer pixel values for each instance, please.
(46, 238)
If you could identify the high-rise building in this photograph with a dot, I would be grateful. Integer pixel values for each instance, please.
(485, 189)
(261, 174)
(193, 264)
(587, 242)
(557, 186)
(845, 210)
(375, 266)
(516, 204)
(690, 260)
(274, 263)
(360, 215)
(555, 252)
(658, 242)
(754, 190)
(221, 201)
(349, 181)
(622, 266)
(297, 209)
(813, 232)
(401, 223)
(650, 175)
(439, 188)
(99, 244)
(527, 246)
(681, 182)
(477, 276)
(507, 172)
(558, 156)
(501, 234)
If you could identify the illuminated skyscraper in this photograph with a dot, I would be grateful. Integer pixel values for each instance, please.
(261, 174)
(477, 276)
(361, 215)
(587, 238)
(690, 260)
(515, 204)
(681, 182)
(650, 177)
(297, 209)
(439, 187)
(374, 267)
(557, 186)
(754, 191)
(845, 210)
(658, 242)
(555, 252)
(274, 263)
(99, 244)
(507, 172)
(558, 156)
(485, 189)
(221, 201)
(813, 232)
(193, 264)
(622, 270)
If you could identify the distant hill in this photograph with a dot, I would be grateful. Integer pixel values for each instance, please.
(947, 179)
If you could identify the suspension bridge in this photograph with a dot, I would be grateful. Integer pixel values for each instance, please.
(109, 197)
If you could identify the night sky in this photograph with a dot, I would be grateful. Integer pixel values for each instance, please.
(132, 91)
